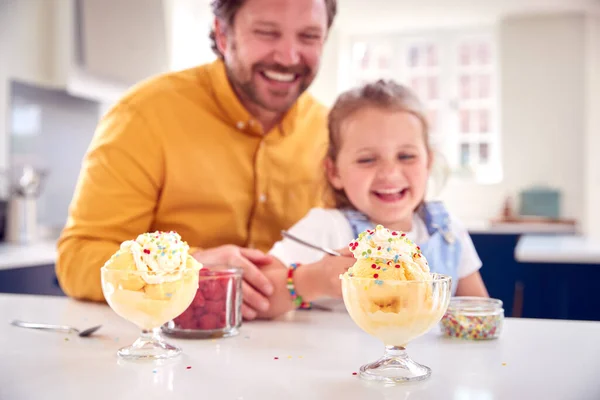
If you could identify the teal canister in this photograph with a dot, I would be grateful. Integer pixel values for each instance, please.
(540, 201)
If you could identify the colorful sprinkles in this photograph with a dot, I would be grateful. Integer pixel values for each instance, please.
(384, 255)
(157, 252)
(383, 244)
(472, 327)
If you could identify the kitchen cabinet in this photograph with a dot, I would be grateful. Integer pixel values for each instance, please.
(39, 279)
(90, 48)
(500, 271)
(564, 290)
(29, 269)
(122, 41)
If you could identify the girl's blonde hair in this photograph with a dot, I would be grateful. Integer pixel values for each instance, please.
(382, 94)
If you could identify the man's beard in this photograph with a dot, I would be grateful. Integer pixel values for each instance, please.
(242, 79)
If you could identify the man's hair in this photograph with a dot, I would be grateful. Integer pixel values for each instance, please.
(225, 10)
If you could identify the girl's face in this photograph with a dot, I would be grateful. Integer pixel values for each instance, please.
(382, 165)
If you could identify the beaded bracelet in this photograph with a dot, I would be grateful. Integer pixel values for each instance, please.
(296, 298)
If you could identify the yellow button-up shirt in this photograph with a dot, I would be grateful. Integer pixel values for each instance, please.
(180, 152)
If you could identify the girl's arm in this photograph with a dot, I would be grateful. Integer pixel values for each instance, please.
(311, 281)
(318, 276)
(472, 285)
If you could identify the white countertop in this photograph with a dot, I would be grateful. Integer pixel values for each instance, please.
(488, 227)
(27, 255)
(318, 352)
(569, 249)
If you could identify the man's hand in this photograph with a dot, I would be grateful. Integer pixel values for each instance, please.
(256, 286)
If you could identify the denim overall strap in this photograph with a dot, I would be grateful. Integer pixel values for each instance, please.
(437, 219)
(359, 222)
(442, 250)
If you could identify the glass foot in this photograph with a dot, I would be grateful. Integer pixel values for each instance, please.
(149, 346)
(395, 367)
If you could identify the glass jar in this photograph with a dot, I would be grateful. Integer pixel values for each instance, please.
(473, 318)
(216, 310)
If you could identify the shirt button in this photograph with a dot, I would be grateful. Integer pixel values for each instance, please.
(262, 198)
(241, 125)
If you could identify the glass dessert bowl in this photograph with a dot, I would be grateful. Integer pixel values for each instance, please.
(149, 281)
(148, 307)
(396, 312)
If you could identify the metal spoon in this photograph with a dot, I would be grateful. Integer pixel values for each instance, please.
(312, 246)
(56, 328)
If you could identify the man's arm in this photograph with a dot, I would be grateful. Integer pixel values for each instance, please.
(114, 201)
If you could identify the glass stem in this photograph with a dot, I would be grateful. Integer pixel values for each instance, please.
(395, 352)
(150, 335)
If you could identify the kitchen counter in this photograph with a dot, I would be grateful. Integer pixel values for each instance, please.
(488, 227)
(27, 255)
(558, 249)
(305, 355)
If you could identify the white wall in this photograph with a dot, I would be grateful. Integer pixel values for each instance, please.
(542, 115)
(592, 181)
(6, 9)
(188, 25)
(362, 16)
(325, 86)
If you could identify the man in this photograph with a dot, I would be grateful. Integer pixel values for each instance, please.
(226, 154)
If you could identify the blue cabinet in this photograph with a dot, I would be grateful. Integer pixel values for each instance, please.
(500, 271)
(560, 291)
(30, 280)
(540, 290)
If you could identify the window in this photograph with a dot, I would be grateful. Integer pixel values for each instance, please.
(454, 73)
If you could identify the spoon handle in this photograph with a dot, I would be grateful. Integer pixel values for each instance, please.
(307, 244)
(33, 325)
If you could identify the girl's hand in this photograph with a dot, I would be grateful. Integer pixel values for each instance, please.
(322, 279)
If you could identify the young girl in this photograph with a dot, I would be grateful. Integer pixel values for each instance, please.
(377, 167)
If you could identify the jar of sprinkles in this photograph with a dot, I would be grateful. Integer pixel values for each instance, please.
(473, 318)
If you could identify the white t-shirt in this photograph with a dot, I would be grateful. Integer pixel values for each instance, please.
(330, 228)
